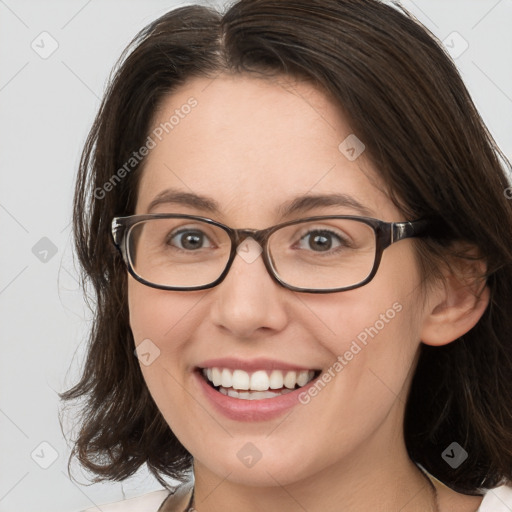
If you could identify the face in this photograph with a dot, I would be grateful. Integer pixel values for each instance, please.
(251, 146)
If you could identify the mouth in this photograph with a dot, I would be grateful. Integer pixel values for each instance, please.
(257, 385)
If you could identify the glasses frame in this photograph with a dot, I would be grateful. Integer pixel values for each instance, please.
(386, 234)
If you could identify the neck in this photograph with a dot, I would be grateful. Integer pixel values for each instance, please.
(388, 480)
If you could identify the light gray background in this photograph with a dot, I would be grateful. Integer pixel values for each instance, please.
(47, 107)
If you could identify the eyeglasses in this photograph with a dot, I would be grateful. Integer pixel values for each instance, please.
(323, 254)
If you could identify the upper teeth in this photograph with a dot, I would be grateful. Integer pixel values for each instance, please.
(259, 380)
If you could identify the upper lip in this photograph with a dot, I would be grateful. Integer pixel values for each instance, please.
(252, 364)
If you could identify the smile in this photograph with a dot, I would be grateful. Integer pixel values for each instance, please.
(257, 385)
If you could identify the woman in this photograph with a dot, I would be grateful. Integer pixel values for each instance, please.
(294, 217)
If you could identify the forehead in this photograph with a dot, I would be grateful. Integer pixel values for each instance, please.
(252, 144)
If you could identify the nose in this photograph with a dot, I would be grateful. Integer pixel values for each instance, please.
(248, 301)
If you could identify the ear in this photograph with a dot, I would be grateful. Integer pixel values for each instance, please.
(457, 302)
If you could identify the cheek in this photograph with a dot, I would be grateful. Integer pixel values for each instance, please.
(372, 340)
(373, 332)
(161, 323)
(158, 314)
(373, 350)
(386, 308)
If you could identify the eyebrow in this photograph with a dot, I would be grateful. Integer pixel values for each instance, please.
(310, 202)
(297, 205)
(171, 196)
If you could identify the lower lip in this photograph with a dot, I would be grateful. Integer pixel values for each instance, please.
(250, 410)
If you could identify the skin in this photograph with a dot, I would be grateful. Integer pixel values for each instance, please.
(251, 145)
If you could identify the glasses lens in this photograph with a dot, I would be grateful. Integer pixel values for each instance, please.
(178, 252)
(323, 254)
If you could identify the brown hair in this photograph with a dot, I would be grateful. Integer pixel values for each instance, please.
(406, 101)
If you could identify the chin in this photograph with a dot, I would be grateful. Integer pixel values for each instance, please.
(269, 470)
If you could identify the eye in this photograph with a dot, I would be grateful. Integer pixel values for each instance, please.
(321, 240)
(189, 240)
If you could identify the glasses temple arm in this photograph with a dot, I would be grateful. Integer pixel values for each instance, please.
(401, 230)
